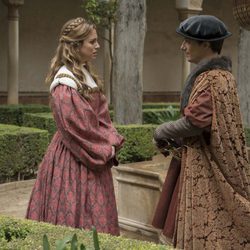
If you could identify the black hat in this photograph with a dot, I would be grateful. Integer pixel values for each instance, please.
(203, 28)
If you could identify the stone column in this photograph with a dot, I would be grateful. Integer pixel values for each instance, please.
(244, 75)
(187, 8)
(13, 49)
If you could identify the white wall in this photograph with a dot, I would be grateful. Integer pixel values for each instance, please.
(41, 21)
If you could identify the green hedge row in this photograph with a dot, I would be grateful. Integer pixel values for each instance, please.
(27, 234)
(138, 145)
(247, 133)
(157, 116)
(157, 105)
(13, 114)
(153, 113)
(21, 150)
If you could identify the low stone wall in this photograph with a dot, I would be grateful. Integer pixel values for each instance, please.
(138, 187)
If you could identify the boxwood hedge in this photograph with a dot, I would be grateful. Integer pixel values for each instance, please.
(27, 234)
(13, 114)
(21, 150)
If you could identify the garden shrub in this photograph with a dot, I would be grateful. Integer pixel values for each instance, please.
(21, 150)
(247, 133)
(41, 121)
(138, 145)
(13, 114)
(156, 105)
(160, 105)
(27, 234)
(159, 116)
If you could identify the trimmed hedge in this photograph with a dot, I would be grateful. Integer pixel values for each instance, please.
(247, 133)
(160, 105)
(153, 113)
(41, 121)
(21, 150)
(27, 234)
(138, 145)
(13, 114)
(157, 105)
(157, 116)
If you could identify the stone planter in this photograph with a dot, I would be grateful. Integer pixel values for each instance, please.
(139, 188)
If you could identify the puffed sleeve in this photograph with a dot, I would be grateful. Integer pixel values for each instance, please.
(199, 113)
(78, 126)
(106, 124)
(197, 118)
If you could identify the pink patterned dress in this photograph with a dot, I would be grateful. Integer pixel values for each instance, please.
(74, 186)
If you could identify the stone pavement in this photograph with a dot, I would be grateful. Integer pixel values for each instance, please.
(14, 199)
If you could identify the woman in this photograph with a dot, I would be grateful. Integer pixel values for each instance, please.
(209, 207)
(74, 186)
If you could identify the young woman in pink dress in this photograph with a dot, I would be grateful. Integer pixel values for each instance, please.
(74, 186)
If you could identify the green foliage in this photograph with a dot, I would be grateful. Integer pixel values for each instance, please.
(160, 105)
(72, 240)
(21, 150)
(95, 239)
(158, 116)
(10, 230)
(46, 245)
(62, 244)
(138, 144)
(13, 114)
(247, 133)
(32, 234)
(101, 12)
(156, 105)
(41, 121)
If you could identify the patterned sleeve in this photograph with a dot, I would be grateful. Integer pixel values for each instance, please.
(79, 127)
(199, 113)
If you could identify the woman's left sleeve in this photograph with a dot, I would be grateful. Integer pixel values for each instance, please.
(79, 128)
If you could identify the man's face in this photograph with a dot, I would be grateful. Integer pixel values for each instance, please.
(194, 51)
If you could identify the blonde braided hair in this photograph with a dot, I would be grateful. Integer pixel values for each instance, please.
(72, 25)
(73, 34)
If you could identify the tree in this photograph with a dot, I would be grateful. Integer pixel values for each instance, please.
(244, 75)
(103, 14)
(128, 60)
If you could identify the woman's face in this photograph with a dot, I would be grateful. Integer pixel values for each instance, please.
(89, 47)
(193, 50)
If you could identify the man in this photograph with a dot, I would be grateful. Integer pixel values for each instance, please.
(209, 207)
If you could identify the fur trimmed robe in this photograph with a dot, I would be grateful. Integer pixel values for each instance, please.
(213, 204)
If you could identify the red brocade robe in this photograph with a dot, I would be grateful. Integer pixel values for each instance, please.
(205, 201)
(74, 186)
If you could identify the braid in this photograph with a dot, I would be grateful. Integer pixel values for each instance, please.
(72, 25)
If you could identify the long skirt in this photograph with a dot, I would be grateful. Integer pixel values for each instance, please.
(67, 193)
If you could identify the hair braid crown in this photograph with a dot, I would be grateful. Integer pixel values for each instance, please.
(72, 25)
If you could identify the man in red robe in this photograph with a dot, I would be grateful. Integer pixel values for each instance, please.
(205, 203)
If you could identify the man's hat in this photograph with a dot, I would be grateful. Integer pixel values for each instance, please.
(203, 28)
